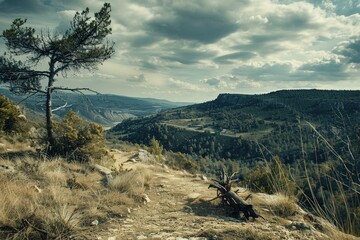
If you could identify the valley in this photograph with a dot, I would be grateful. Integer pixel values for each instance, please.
(236, 126)
(104, 109)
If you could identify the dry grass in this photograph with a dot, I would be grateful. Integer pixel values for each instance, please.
(283, 206)
(133, 182)
(14, 144)
(278, 204)
(38, 203)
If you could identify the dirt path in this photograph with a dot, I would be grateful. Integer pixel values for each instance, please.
(178, 210)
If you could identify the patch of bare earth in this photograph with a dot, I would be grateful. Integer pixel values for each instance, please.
(179, 209)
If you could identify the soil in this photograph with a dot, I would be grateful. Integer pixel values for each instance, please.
(179, 209)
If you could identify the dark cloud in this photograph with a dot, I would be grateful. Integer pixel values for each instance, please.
(23, 6)
(294, 19)
(148, 65)
(350, 50)
(268, 71)
(326, 70)
(188, 56)
(200, 24)
(227, 59)
(143, 40)
(268, 43)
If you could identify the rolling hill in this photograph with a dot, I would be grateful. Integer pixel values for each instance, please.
(250, 127)
(105, 109)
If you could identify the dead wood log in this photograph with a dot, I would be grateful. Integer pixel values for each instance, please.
(230, 198)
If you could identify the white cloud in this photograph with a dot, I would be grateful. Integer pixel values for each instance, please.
(204, 47)
(185, 85)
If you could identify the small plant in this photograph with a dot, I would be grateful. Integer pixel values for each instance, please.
(155, 148)
(180, 161)
(11, 119)
(79, 140)
(132, 182)
(284, 206)
(271, 177)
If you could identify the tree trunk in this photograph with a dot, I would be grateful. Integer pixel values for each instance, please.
(49, 126)
(240, 205)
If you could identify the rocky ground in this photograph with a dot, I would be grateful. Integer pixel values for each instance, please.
(176, 207)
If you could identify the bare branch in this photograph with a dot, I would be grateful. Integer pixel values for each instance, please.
(61, 107)
(78, 90)
(24, 99)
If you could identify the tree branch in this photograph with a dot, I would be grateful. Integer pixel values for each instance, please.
(78, 90)
(61, 107)
(23, 100)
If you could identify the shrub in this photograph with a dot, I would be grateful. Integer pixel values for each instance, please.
(271, 177)
(132, 183)
(284, 206)
(180, 161)
(79, 140)
(11, 119)
(155, 148)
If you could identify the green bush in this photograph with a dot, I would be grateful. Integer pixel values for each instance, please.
(180, 161)
(272, 177)
(155, 149)
(79, 140)
(11, 119)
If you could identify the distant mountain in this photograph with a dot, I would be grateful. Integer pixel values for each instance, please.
(251, 127)
(104, 109)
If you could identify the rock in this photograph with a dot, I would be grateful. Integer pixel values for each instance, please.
(192, 196)
(204, 178)
(22, 116)
(131, 160)
(146, 198)
(188, 209)
(106, 172)
(95, 222)
(129, 210)
(143, 156)
(7, 168)
(160, 235)
(102, 169)
(300, 226)
(108, 178)
(111, 238)
(141, 237)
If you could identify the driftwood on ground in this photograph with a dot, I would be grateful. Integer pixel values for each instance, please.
(230, 198)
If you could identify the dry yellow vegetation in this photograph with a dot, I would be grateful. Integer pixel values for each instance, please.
(55, 199)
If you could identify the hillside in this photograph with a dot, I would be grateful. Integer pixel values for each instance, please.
(105, 109)
(142, 200)
(249, 127)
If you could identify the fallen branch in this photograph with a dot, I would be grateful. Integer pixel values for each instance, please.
(230, 198)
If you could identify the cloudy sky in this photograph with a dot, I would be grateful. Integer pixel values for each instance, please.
(195, 49)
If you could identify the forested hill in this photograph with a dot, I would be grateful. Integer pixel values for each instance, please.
(250, 127)
(104, 109)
